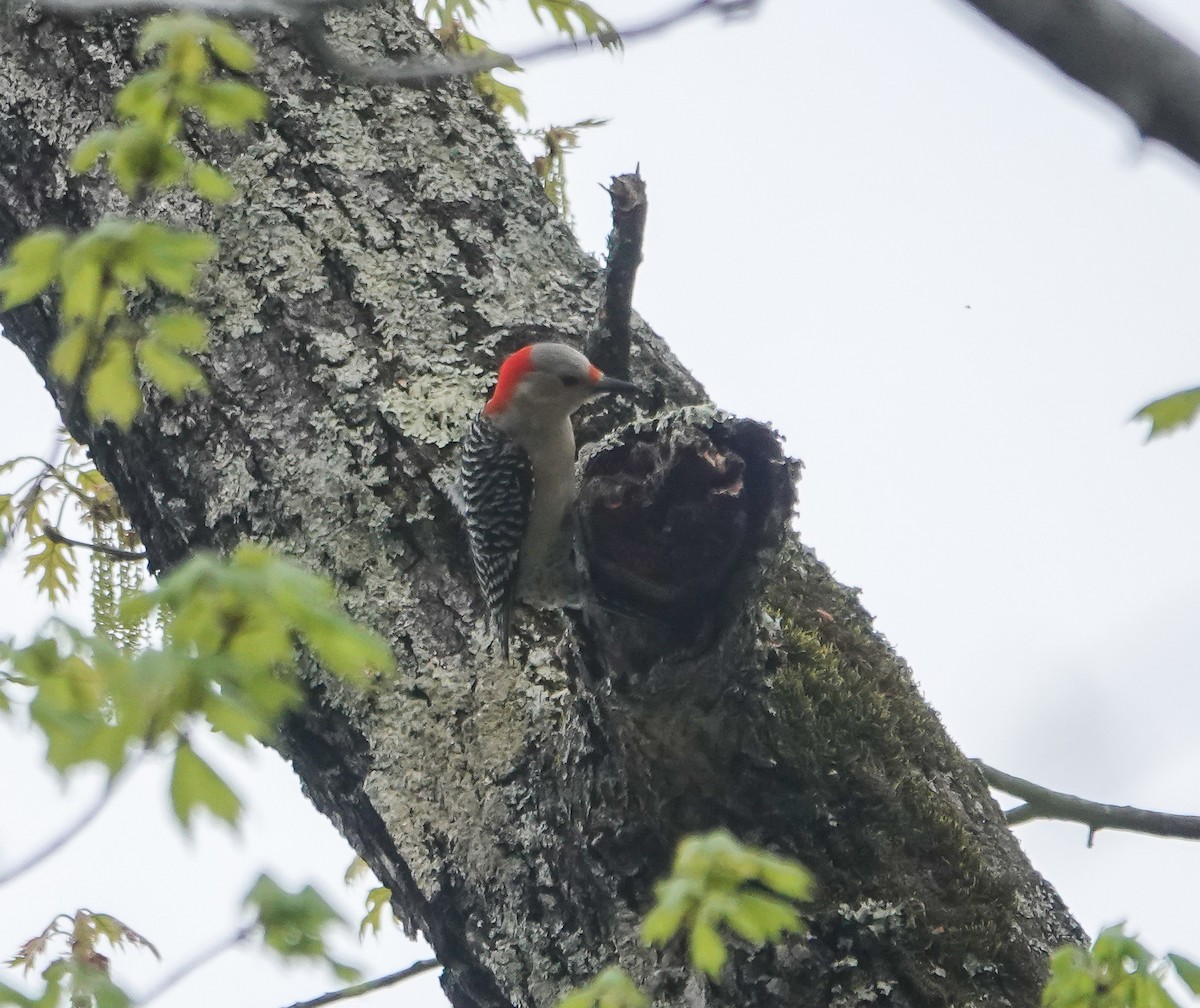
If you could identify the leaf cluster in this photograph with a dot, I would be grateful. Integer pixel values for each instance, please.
(78, 973)
(1116, 972)
(228, 656)
(715, 881)
(613, 988)
(102, 347)
(34, 509)
(378, 900)
(294, 923)
(551, 164)
(449, 20)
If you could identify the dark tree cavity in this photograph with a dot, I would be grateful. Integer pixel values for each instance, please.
(391, 246)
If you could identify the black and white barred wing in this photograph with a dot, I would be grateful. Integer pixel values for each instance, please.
(496, 487)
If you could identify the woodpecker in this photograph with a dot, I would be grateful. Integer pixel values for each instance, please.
(518, 472)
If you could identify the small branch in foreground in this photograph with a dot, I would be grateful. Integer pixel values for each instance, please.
(38, 856)
(367, 986)
(609, 346)
(417, 72)
(1042, 803)
(421, 72)
(55, 536)
(201, 959)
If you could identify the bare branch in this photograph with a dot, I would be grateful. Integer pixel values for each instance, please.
(1042, 803)
(418, 72)
(117, 553)
(55, 845)
(358, 990)
(196, 962)
(609, 346)
(422, 72)
(1145, 71)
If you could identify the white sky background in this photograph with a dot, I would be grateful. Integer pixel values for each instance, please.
(948, 277)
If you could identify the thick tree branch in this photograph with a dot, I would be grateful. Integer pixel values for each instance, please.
(368, 986)
(1120, 54)
(608, 346)
(1042, 803)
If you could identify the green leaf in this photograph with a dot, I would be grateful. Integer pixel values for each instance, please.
(33, 263)
(181, 330)
(145, 97)
(1171, 412)
(196, 785)
(165, 368)
(572, 16)
(53, 566)
(786, 877)
(1188, 971)
(675, 899)
(613, 988)
(232, 104)
(188, 59)
(378, 901)
(112, 389)
(91, 149)
(234, 720)
(211, 184)
(757, 913)
(164, 28)
(174, 256)
(706, 948)
(347, 650)
(231, 48)
(69, 353)
(143, 155)
(80, 288)
(292, 922)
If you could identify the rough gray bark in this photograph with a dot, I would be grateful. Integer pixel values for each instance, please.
(390, 247)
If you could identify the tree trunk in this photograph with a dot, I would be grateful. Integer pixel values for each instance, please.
(390, 247)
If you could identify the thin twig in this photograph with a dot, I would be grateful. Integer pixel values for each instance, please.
(198, 960)
(608, 347)
(55, 536)
(40, 855)
(417, 72)
(417, 968)
(1042, 803)
(423, 71)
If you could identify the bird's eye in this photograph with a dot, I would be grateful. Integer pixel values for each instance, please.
(570, 380)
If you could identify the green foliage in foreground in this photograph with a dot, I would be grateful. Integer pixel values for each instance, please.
(32, 511)
(1171, 412)
(715, 881)
(104, 345)
(293, 925)
(1116, 972)
(228, 656)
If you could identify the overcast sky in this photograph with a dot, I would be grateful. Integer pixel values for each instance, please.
(949, 278)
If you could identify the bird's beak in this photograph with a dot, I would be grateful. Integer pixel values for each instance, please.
(607, 384)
